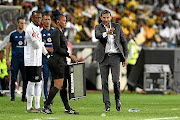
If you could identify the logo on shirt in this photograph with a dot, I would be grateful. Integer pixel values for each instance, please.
(20, 42)
(48, 34)
(44, 34)
(34, 34)
(16, 36)
(20, 36)
(49, 40)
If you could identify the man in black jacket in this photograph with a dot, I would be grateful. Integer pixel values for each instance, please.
(111, 50)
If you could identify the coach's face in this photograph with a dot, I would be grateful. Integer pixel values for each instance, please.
(106, 19)
(36, 18)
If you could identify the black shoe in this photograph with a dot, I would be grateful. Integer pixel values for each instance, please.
(24, 100)
(12, 99)
(70, 111)
(47, 111)
(1, 95)
(118, 105)
(52, 102)
(106, 109)
(44, 102)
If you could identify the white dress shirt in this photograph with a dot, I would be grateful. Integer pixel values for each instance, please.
(110, 45)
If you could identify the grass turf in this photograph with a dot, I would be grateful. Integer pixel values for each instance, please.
(90, 108)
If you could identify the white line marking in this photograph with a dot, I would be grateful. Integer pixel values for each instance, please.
(166, 118)
(175, 109)
(50, 118)
(34, 119)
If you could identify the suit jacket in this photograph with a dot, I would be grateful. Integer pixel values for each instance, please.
(120, 42)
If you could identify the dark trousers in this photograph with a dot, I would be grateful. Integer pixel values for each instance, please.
(46, 74)
(16, 65)
(110, 62)
(4, 83)
(130, 87)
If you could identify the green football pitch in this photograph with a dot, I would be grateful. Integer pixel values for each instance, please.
(152, 107)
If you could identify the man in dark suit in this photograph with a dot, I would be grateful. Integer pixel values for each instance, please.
(111, 50)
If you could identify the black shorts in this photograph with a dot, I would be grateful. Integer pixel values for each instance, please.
(61, 72)
(34, 73)
(58, 66)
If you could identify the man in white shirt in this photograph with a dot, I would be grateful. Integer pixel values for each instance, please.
(33, 49)
(111, 50)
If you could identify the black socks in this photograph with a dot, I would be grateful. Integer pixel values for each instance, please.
(63, 94)
(52, 94)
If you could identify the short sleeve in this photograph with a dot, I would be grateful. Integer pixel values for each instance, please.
(10, 38)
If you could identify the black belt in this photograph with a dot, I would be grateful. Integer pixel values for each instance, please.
(110, 54)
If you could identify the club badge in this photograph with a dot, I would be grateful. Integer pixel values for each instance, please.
(49, 40)
(34, 34)
(20, 42)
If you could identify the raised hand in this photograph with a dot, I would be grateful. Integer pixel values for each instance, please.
(110, 31)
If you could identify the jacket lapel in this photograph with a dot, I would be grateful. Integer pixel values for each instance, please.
(116, 40)
(102, 28)
(115, 31)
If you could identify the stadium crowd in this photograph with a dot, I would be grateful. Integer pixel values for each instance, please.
(153, 23)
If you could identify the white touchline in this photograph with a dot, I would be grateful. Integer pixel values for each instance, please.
(175, 109)
(51, 118)
(166, 118)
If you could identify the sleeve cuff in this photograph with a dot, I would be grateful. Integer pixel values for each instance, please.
(104, 34)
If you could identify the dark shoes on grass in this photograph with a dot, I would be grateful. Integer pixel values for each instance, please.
(71, 111)
(106, 109)
(49, 111)
(118, 105)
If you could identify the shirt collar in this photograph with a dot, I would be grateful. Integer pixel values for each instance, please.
(34, 24)
(106, 26)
